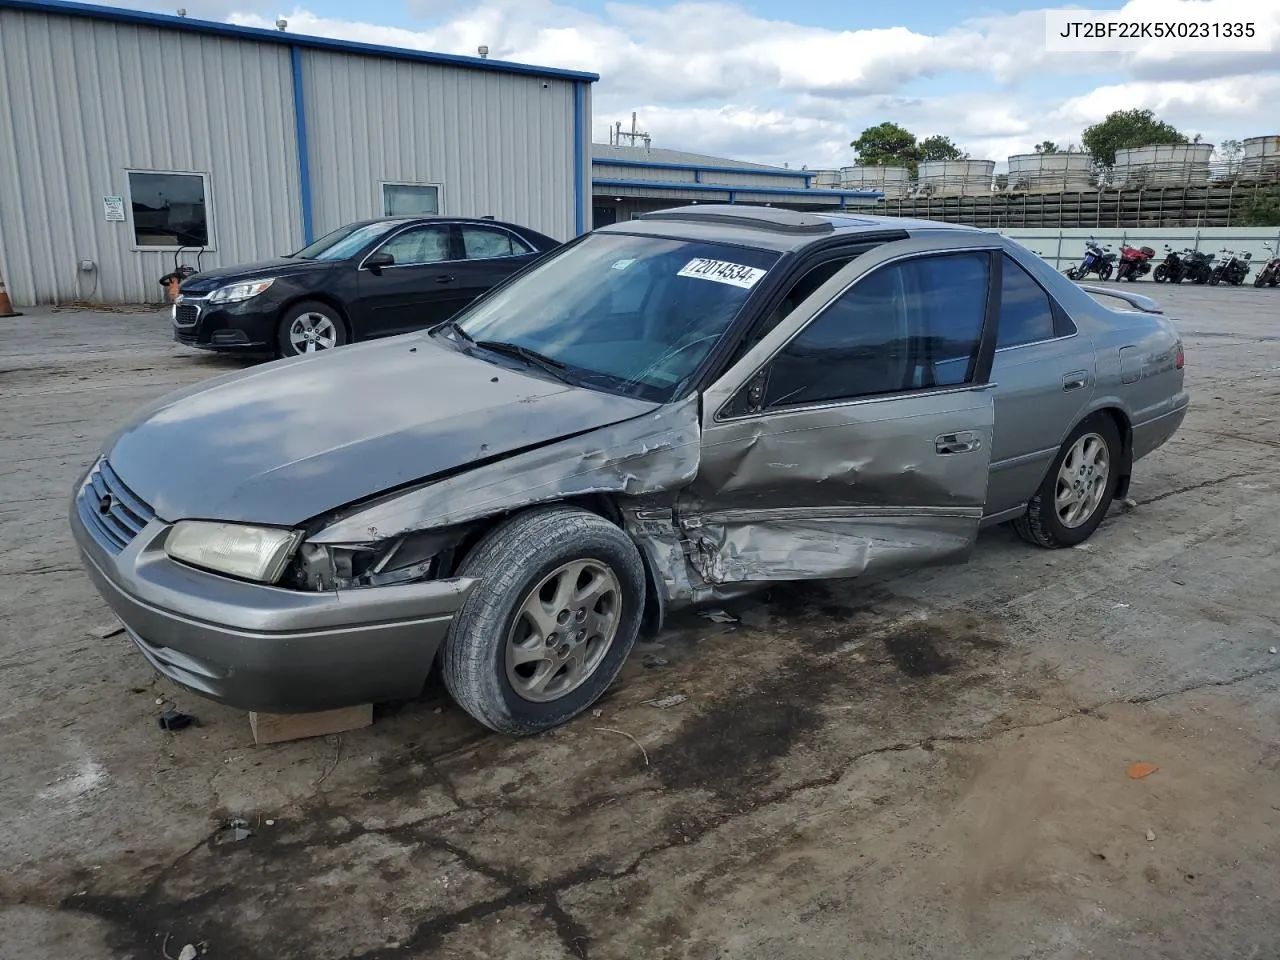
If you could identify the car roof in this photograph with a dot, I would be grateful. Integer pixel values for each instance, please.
(772, 228)
(431, 217)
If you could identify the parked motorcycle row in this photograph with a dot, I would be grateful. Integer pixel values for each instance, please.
(1195, 266)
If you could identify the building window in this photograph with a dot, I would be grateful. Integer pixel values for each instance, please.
(410, 199)
(169, 209)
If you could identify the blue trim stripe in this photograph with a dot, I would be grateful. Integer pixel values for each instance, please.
(304, 152)
(191, 25)
(741, 188)
(580, 186)
(698, 167)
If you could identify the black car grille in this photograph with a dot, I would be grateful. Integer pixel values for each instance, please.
(186, 314)
(109, 510)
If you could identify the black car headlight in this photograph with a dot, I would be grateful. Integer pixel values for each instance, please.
(235, 292)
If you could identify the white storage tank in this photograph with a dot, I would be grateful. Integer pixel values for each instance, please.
(942, 178)
(1163, 164)
(827, 179)
(1050, 173)
(1261, 158)
(893, 182)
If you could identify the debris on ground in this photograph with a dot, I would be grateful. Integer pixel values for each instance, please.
(108, 629)
(1271, 650)
(643, 751)
(1129, 503)
(1139, 770)
(718, 616)
(1083, 546)
(1121, 606)
(597, 713)
(234, 830)
(651, 661)
(663, 702)
(1181, 583)
(1151, 834)
(188, 952)
(176, 720)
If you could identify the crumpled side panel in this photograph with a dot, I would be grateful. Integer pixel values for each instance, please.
(650, 454)
(769, 545)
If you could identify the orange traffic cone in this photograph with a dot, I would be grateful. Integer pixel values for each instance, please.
(6, 307)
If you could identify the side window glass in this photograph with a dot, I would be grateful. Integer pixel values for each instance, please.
(910, 325)
(485, 243)
(419, 245)
(1026, 315)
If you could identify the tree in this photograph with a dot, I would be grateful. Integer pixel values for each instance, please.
(938, 147)
(887, 145)
(1047, 146)
(1262, 210)
(1228, 152)
(1127, 128)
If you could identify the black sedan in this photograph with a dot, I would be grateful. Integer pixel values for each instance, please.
(368, 279)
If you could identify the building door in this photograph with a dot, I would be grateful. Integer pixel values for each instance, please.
(603, 216)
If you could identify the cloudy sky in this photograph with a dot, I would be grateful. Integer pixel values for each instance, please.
(794, 81)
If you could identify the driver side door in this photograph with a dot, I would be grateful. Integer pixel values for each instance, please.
(856, 435)
(420, 288)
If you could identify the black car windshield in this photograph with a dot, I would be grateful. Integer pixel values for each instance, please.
(346, 241)
(627, 314)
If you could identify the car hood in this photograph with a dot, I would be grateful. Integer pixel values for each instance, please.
(209, 280)
(291, 440)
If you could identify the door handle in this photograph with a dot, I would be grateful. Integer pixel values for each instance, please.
(950, 443)
(1074, 381)
(444, 279)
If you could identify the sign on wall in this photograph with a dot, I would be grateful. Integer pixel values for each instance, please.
(113, 208)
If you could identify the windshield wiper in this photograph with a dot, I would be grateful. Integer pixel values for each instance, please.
(531, 357)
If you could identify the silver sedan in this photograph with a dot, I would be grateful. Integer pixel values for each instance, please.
(658, 414)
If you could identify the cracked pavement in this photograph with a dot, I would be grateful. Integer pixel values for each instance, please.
(932, 764)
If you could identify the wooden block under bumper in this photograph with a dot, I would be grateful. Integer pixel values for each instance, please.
(279, 727)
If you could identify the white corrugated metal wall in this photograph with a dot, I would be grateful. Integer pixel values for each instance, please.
(90, 99)
(496, 143)
(83, 99)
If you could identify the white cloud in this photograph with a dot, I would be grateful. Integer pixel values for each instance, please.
(712, 77)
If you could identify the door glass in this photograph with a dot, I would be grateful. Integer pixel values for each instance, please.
(419, 245)
(485, 243)
(910, 325)
(1025, 313)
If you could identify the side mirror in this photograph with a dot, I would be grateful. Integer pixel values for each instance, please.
(377, 261)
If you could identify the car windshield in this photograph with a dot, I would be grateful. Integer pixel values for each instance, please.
(627, 314)
(346, 241)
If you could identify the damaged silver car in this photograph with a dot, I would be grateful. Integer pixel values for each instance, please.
(657, 414)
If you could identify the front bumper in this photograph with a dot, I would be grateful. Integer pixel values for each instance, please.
(259, 647)
(245, 327)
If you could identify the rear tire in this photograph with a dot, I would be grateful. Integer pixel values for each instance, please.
(1073, 499)
(1105, 273)
(552, 582)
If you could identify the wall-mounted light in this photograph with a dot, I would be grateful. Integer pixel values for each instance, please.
(483, 51)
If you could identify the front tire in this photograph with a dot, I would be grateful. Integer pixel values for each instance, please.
(550, 623)
(1105, 273)
(1071, 273)
(1078, 489)
(310, 327)
(1161, 273)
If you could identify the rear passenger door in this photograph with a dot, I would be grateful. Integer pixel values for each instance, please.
(1044, 376)
(856, 435)
(489, 254)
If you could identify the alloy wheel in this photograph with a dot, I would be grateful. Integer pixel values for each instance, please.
(563, 629)
(1082, 480)
(312, 331)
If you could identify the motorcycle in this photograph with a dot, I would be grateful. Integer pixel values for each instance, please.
(1134, 262)
(1269, 275)
(1199, 266)
(1173, 267)
(1233, 269)
(1096, 260)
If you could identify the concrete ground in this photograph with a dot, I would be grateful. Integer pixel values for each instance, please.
(932, 765)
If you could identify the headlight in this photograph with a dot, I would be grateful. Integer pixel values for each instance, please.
(232, 293)
(252, 553)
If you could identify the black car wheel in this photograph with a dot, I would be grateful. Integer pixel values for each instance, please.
(550, 622)
(1078, 489)
(308, 327)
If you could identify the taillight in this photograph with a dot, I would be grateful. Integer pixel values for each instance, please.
(1178, 361)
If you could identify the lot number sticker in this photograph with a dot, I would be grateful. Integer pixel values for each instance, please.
(721, 271)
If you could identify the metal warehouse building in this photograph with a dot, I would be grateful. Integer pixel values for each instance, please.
(629, 181)
(126, 135)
